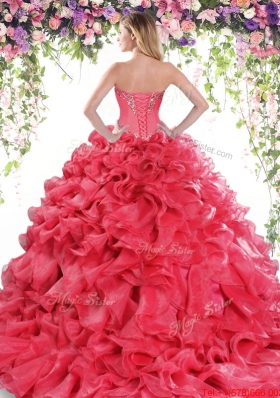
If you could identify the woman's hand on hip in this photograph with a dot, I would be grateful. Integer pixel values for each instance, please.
(117, 132)
(166, 129)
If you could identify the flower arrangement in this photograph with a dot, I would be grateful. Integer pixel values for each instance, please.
(23, 24)
(245, 44)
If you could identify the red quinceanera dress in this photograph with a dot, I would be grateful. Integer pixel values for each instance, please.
(140, 277)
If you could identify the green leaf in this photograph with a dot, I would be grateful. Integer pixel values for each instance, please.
(207, 87)
(240, 123)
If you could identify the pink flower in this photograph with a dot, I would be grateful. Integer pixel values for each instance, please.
(146, 3)
(80, 29)
(256, 37)
(271, 50)
(163, 6)
(260, 53)
(97, 28)
(36, 16)
(37, 35)
(10, 31)
(276, 2)
(243, 3)
(188, 26)
(115, 18)
(260, 11)
(162, 32)
(171, 27)
(9, 51)
(54, 23)
(262, 21)
(89, 33)
(89, 17)
(209, 15)
(185, 4)
(14, 5)
(83, 3)
(233, 3)
(175, 29)
(96, 11)
(166, 20)
(88, 41)
(176, 9)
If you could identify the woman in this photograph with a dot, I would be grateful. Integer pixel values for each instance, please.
(145, 72)
(141, 277)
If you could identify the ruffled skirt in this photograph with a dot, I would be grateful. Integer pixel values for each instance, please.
(140, 278)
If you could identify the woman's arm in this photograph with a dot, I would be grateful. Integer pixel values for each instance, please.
(177, 78)
(106, 83)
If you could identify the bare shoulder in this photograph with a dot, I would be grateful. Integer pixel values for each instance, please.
(180, 80)
(177, 77)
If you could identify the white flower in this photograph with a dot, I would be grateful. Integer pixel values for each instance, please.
(203, 36)
(278, 160)
(135, 3)
(66, 12)
(226, 31)
(250, 13)
(97, 2)
(3, 29)
(23, 18)
(8, 17)
(195, 5)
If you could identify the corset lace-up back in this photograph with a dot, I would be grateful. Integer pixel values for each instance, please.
(139, 111)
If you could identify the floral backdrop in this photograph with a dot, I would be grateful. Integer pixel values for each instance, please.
(244, 55)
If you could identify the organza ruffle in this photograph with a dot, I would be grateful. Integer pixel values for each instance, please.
(140, 278)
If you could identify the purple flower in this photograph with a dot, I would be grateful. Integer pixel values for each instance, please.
(109, 12)
(186, 15)
(19, 35)
(251, 25)
(126, 11)
(72, 4)
(273, 19)
(64, 32)
(236, 9)
(78, 16)
(230, 10)
(219, 10)
(19, 31)
(226, 10)
(25, 47)
(183, 41)
(140, 9)
(20, 13)
(191, 42)
(37, 4)
(271, 8)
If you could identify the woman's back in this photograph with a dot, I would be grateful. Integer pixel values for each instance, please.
(143, 74)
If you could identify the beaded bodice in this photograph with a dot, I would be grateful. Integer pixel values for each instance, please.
(139, 111)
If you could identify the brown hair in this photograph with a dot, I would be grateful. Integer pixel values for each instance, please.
(143, 26)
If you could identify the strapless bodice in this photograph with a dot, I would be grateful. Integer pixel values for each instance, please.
(140, 111)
